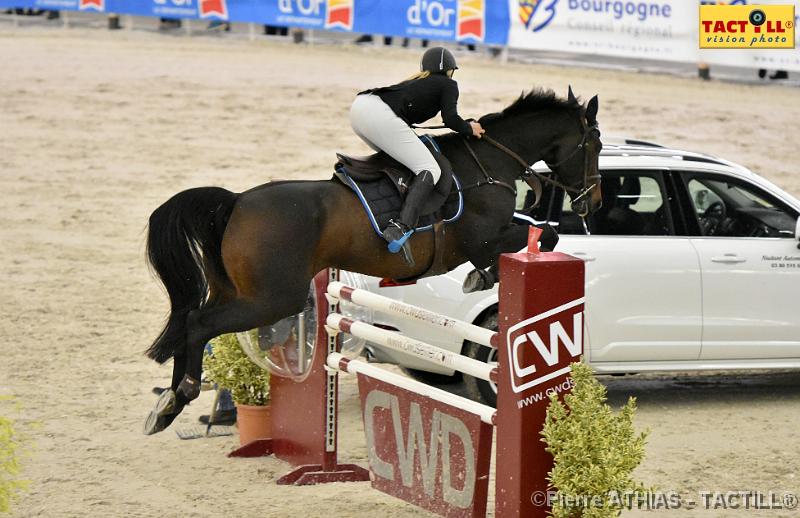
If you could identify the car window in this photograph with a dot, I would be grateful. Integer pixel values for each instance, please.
(633, 205)
(524, 195)
(732, 208)
(702, 196)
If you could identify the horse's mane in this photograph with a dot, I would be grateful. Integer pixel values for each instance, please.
(535, 100)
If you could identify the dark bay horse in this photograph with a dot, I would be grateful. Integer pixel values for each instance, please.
(232, 262)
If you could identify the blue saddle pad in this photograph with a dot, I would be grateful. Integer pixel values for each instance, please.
(382, 202)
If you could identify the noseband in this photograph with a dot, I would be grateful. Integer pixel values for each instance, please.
(589, 181)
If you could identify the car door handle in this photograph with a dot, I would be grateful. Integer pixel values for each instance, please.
(583, 255)
(728, 259)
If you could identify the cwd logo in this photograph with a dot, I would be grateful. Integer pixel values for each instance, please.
(537, 14)
(542, 347)
(339, 14)
(471, 19)
(214, 9)
(424, 451)
(95, 5)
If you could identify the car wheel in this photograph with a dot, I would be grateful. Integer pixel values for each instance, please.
(477, 389)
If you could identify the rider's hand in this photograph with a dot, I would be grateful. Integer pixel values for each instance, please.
(477, 130)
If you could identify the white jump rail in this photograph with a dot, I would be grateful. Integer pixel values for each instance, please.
(471, 332)
(341, 363)
(398, 342)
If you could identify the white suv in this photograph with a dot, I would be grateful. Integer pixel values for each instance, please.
(691, 264)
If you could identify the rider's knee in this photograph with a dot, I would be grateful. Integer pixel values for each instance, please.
(436, 172)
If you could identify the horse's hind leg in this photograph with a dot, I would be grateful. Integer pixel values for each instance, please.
(232, 317)
(204, 324)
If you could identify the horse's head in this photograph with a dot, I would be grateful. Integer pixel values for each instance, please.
(561, 132)
(574, 156)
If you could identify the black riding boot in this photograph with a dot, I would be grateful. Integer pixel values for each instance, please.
(399, 230)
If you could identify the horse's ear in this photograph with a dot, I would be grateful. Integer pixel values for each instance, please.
(570, 96)
(591, 110)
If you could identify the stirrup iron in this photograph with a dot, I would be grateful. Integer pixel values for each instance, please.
(397, 244)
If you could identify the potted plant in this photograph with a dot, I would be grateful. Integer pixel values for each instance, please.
(230, 368)
(10, 452)
(594, 450)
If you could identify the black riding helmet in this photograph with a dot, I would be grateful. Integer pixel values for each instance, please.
(438, 60)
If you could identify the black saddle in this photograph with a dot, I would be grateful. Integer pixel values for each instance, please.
(379, 174)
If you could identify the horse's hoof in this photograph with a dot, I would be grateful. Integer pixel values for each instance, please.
(477, 280)
(162, 415)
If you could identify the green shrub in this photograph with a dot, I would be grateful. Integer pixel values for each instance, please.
(10, 444)
(230, 368)
(595, 450)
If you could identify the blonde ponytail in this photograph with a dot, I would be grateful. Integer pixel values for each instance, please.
(419, 75)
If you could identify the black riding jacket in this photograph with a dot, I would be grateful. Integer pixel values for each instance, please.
(418, 100)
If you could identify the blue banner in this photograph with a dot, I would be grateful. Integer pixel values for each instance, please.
(469, 21)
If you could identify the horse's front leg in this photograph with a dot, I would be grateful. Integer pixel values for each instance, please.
(512, 238)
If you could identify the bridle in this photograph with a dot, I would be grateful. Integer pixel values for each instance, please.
(587, 130)
(528, 172)
(534, 179)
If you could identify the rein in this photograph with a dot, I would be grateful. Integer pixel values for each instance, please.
(527, 171)
(488, 179)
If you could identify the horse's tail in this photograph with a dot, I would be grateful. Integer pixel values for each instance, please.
(184, 248)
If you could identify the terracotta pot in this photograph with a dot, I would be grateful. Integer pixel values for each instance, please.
(254, 422)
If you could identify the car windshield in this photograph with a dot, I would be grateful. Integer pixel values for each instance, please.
(707, 192)
(727, 208)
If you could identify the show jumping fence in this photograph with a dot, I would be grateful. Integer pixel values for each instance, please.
(425, 445)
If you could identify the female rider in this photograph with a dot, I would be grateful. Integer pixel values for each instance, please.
(382, 118)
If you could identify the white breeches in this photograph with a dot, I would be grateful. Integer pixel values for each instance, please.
(382, 130)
